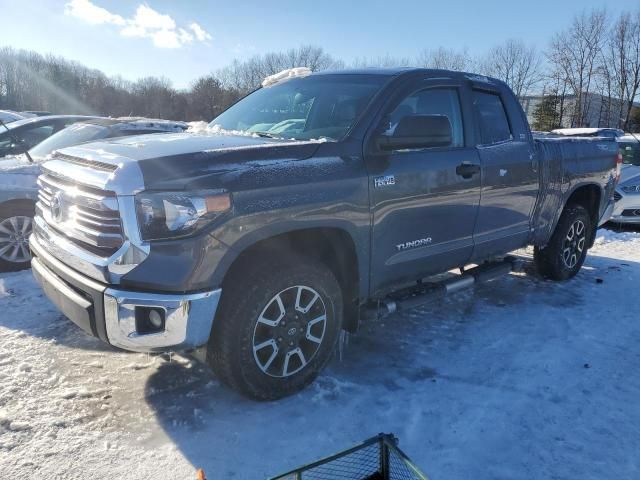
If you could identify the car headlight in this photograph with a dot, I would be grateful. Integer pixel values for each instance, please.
(163, 215)
(631, 189)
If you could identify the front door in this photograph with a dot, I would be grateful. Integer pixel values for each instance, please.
(424, 201)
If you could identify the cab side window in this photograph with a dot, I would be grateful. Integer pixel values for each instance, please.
(494, 124)
(433, 101)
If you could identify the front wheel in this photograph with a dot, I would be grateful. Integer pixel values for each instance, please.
(563, 257)
(16, 223)
(276, 327)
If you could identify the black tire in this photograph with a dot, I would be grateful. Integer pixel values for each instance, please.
(563, 257)
(249, 294)
(11, 215)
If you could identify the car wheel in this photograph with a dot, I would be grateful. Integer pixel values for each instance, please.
(276, 327)
(563, 257)
(16, 223)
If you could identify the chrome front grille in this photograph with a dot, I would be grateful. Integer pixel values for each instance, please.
(87, 216)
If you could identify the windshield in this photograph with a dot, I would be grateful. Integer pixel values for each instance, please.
(73, 135)
(322, 106)
(630, 153)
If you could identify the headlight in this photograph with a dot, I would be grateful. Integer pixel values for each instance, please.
(163, 215)
(631, 189)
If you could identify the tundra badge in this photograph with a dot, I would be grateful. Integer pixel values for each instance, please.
(421, 242)
(384, 181)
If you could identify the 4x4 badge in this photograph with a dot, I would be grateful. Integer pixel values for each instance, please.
(384, 181)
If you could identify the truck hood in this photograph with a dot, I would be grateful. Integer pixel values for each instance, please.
(188, 160)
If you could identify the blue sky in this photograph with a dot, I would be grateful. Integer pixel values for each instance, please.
(158, 37)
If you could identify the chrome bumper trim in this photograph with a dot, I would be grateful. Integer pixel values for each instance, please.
(189, 318)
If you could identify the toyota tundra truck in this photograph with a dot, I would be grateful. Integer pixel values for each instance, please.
(307, 205)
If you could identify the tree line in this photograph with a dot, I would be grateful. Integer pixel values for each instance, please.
(594, 57)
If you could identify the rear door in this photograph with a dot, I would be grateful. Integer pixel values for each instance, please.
(510, 181)
(424, 206)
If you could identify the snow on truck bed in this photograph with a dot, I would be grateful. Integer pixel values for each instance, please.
(522, 378)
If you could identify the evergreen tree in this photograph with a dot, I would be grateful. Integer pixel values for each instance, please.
(545, 115)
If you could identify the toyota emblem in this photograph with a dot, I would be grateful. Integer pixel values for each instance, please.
(57, 206)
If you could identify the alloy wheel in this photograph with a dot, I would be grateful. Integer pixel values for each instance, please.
(14, 239)
(289, 331)
(573, 244)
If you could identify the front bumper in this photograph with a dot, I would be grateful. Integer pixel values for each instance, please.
(109, 313)
(627, 209)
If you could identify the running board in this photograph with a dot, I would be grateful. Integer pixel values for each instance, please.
(476, 275)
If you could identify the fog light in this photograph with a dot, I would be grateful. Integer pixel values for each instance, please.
(155, 318)
(150, 320)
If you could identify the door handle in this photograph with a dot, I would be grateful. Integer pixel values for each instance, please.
(467, 170)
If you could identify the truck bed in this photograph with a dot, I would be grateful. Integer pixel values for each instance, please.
(564, 163)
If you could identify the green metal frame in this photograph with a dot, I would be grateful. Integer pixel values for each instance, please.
(388, 445)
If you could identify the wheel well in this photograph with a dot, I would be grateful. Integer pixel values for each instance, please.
(588, 196)
(16, 202)
(333, 247)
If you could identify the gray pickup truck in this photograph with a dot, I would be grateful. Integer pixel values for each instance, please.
(305, 205)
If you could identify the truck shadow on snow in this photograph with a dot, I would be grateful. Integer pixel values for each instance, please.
(24, 307)
(422, 359)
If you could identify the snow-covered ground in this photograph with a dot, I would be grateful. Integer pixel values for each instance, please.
(522, 378)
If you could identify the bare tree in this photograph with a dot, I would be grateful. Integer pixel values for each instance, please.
(577, 52)
(445, 58)
(622, 57)
(513, 62)
(247, 75)
(381, 61)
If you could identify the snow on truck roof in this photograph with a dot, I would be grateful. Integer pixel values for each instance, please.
(296, 72)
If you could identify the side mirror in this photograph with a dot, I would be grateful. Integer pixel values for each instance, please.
(418, 131)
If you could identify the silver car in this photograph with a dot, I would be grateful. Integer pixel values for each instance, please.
(19, 174)
(627, 195)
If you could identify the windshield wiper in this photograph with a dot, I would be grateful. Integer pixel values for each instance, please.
(266, 135)
(15, 139)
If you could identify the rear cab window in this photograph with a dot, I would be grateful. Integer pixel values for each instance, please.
(492, 117)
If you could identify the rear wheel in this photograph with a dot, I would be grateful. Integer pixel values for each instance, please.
(276, 327)
(563, 257)
(16, 223)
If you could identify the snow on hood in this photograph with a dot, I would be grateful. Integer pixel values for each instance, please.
(296, 72)
(203, 127)
(16, 172)
(17, 164)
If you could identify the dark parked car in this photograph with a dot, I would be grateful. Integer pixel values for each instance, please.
(19, 136)
(18, 175)
(8, 116)
(311, 201)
